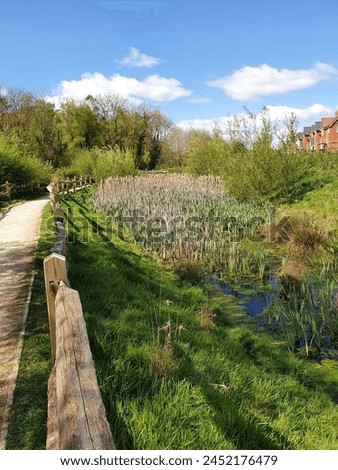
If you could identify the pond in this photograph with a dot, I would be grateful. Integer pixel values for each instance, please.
(254, 297)
(307, 317)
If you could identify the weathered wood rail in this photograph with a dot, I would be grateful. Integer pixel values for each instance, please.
(76, 413)
(8, 189)
(70, 184)
(5, 189)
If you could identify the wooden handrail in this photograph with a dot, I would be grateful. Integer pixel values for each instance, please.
(55, 271)
(5, 189)
(8, 188)
(76, 414)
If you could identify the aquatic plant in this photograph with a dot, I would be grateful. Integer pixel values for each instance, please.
(185, 219)
(308, 315)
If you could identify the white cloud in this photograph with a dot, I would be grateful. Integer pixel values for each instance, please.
(208, 125)
(197, 124)
(135, 58)
(154, 88)
(314, 112)
(249, 83)
(326, 68)
(276, 113)
(199, 100)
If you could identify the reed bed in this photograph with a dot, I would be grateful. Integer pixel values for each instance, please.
(185, 219)
(307, 313)
(197, 226)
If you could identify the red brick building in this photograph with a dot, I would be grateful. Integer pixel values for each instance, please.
(322, 135)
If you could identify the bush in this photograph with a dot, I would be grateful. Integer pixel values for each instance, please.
(307, 234)
(115, 162)
(83, 164)
(260, 173)
(206, 154)
(102, 163)
(20, 168)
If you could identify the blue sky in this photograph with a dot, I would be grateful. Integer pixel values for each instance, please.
(198, 61)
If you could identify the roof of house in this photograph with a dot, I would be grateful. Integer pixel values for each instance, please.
(316, 126)
(332, 123)
(325, 123)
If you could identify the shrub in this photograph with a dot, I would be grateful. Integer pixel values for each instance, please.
(307, 234)
(206, 154)
(102, 163)
(20, 168)
(114, 162)
(83, 164)
(250, 164)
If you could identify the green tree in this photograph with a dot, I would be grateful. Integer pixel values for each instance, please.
(21, 168)
(207, 154)
(42, 137)
(112, 113)
(289, 135)
(79, 124)
(174, 148)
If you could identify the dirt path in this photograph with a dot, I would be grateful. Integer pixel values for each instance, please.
(19, 234)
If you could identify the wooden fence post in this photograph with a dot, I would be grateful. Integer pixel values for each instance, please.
(61, 238)
(58, 212)
(8, 189)
(54, 199)
(81, 421)
(55, 271)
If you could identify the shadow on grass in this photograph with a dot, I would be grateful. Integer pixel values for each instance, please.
(126, 300)
(233, 421)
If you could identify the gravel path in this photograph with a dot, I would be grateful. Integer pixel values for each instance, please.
(19, 234)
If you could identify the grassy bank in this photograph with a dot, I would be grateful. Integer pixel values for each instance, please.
(321, 202)
(179, 366)
(183, 367)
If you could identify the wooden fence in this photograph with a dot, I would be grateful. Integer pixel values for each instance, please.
(68, 184)
(7, 190)
(76, 414)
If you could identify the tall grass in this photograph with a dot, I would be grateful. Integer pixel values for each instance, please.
(185, 219)
(195, 224)
(307, 313)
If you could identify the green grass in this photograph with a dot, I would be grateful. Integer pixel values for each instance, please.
(232, 387)
(321, 202)
(27, 428)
